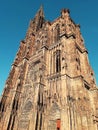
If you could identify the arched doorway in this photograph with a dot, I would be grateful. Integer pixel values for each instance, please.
(54, 122)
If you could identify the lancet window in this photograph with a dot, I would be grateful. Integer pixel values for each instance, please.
(57, 33)
(57, 61)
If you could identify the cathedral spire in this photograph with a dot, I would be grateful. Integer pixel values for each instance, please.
(39, 18)
(40, 12)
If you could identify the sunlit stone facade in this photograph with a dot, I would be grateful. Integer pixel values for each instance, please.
(51, 84)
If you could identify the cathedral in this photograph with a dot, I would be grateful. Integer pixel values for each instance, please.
(51, 84)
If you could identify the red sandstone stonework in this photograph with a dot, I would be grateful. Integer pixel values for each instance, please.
(51, 84)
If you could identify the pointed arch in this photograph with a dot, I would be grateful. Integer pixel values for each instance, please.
(54, 117)
(55, 111)
(27, 106)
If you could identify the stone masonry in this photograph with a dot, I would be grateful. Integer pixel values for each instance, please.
(51, 84)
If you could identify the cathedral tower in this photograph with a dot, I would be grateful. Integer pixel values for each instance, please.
(51, 84)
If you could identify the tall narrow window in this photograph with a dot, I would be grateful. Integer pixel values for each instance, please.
(58, 123)
(15, 105)
(58, 62)
(40, 23)
(57, 32)
(9, 124)
(13, 123)
(2, 104)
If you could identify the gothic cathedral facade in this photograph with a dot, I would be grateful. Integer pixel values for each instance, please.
(51, 84)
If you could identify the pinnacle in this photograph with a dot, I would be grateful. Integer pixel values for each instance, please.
(40, 11)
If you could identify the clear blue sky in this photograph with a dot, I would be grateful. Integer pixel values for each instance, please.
(16, 14)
